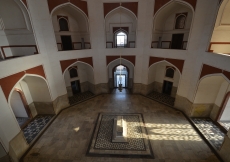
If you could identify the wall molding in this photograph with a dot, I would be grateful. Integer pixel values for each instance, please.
(132, 6)
(78, 3)
(9, 82)
(130, 58)
(176, 62)
(66, 63)
(208, 69)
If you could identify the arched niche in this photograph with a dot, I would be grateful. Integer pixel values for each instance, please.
(157, 78)
(30, 97)
(120, 18)
(17, 35)
(210, 93)
(165, 30)
(77, 36)
(112, 74)
(83, 82)
(220, 41)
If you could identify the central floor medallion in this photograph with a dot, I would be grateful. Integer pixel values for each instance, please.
(121, 135)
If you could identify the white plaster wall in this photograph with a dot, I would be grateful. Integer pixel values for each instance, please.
(9, 131)
(85, 73)
(17, 105)
(120, 17)
(222, 29)
(164, 22)
(38, 89)
(2, 151)
(226, 114)
(157, 73)
(16, 28)
(221, 94)
(78, 24)
(208, 89)
(116, 63)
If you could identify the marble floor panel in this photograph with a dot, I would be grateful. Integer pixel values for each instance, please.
(22, 121)
(225, 124)
(80, 97)
(35, 126)
(137, 144)
(210, 130)
(171, 136)
(162, 98)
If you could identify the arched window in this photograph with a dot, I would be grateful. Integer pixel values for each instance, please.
(180, 22)
(121, 39)
(169, 73)
(63, 23)
(73, 73)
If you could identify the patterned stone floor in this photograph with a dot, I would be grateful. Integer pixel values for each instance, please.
(226, 124)
(22, 121)
(171, 136)
(137, 139)
(162, 98)
(80, 97)
(211, 131)
(35, 126)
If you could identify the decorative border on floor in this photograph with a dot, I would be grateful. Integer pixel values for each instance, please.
(91, 151)
(193, 125)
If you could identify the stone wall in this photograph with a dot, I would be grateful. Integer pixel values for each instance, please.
(214, 112)
(84, 86)
(44, 107)
(60, 103)
(201, 110)
(183, 104)
(101, 88)
(17, 147)
(33, 109)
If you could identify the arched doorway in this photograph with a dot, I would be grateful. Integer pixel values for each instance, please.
(121, 75)
(163, 82)
(16, 20)
(120, 28)
(121, 39)
(71, 28)
(219, 42)
(171, 26)
(79, 81)
(30, 98)
(20, 107)
(209, 97)
(123, 68)
(223, 117)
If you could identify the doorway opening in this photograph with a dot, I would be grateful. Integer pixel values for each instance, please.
(177, 41)
(224, 118)
(121, 39)
(66, 43)
(120, 76)
(121, 79)
(76, 88)
(167, 87)
(20, 108)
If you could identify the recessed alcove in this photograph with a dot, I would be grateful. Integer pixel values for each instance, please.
(71, 28)
(16, 33)
(171, 26)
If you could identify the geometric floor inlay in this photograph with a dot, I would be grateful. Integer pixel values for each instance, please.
(35, 126)
(137, 144)
(22, 120)
(210, 131)
(162, 98)
(80, 97)
(225, 124)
